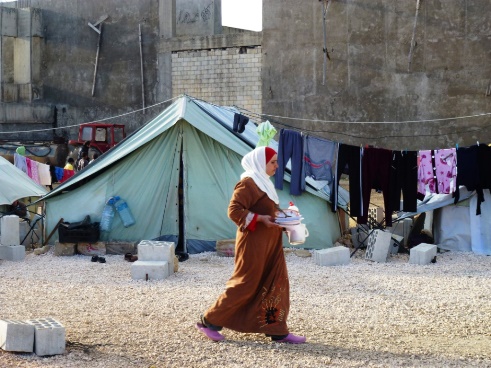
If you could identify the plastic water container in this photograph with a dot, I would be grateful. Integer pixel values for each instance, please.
(293, 207)
(108, 214)
(125, 213)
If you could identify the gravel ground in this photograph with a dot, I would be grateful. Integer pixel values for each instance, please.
(359, 315)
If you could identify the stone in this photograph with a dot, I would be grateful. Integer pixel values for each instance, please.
(225, 247)
(16, 336)
(64, 249)
(120, 247)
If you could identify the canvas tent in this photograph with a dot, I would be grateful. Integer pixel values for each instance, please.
(15, 184)
(190, 145)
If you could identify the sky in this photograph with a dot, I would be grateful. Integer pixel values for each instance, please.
(243, 14)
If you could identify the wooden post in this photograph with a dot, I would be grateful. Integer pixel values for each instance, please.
(413, 43)
(141, 67)
(52, 232)
(324, 50)
(97, 58)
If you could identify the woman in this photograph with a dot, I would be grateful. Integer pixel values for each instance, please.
(257, 297)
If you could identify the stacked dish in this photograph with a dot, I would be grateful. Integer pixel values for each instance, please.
(288, 217)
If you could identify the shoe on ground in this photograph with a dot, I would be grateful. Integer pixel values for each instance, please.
(293, 339)
(212, 335)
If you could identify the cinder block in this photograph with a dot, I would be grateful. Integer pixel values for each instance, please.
(378, 246)
(49, 336)
(422, 254)
(12, 252)
(151, 270)
(359, 235)
(376, 213)
(395, 242)
(10, 230)
(16, 336)
(65, 249)
(151, 250)
(332, 256)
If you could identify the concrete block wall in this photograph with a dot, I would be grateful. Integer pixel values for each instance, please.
(221, 76)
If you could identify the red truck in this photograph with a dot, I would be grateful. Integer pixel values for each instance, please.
(101, 136)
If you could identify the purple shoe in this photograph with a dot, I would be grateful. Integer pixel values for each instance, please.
(212, 335)
(293, 339)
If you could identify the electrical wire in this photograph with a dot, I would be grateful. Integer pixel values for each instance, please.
(98, 120)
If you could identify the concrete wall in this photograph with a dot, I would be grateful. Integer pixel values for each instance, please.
(69, 55)
(367, 78)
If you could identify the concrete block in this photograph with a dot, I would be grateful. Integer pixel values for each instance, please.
(120, 247)
(359, 235)
(65, 249)
(422, 254)
(151, 270)
(378, 246)
(16, 336)
(395, 242)
(10, 230)
(151, 250)
(12, 252)
(49, 336)
(332, 256)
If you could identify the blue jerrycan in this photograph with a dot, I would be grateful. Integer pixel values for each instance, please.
(125, 213)
(108, 214)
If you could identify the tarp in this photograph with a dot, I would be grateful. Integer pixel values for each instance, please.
(190, 145)
(458, 228)
(15, 184)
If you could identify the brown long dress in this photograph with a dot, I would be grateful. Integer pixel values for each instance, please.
(257, 296)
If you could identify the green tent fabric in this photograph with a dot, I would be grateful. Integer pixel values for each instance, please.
(15, 184)
(190, 147)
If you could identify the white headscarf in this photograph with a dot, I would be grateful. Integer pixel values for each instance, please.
(254, 164)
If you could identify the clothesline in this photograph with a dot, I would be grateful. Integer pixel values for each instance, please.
(99, 120)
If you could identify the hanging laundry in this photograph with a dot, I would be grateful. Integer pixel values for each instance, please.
(240, 121)
(376, 170)
(348, 162)
(437, 171)
(290, 146)
(67, 174)
(404, 177)
(468, 174)
(20, 162)
(266, 132)
(318, 159)
(44, 174)
(59, 173)
(21, 150)
(483, 162)
(32, 169)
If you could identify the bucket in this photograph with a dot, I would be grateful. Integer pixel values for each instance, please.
(296, 233)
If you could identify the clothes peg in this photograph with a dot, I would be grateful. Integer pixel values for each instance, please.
(478, 143)
(456, 146)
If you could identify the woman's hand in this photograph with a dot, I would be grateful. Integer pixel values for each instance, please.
(267, 220)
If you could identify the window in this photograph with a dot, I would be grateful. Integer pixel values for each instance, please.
(87, 133)
(100, 135)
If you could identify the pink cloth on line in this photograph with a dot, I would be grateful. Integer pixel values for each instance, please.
(440, 178)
